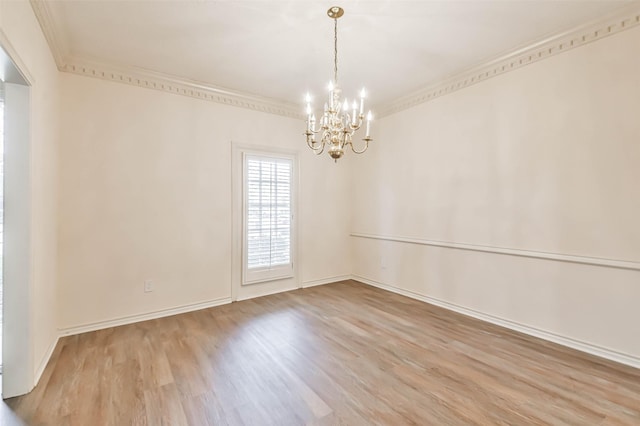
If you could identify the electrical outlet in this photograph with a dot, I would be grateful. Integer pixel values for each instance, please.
(148, 286)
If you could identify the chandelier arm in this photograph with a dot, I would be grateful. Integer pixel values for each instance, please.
(320, 149)
(355, 127)
(366, 146)
(312, 144)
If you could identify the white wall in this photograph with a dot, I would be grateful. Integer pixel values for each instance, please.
(145, 193)
(545, 159)
(22, 38)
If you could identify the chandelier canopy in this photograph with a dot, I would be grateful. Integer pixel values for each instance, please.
(339, 120)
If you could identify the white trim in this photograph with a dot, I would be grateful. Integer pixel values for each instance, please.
(267, 293)
(130, 319)
(66, 62)
(604, 26)
(323, 281)
(12, 53)
(266, 149)
(181, 86)
(560, 257)
(59, 50)
(579, 345)
(624, 18)
(45, 360)
(237, 212)
(18, 346)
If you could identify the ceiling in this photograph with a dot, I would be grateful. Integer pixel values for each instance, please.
(282, 49)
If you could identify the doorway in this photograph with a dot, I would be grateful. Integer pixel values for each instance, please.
(264, 243)
(15, 237)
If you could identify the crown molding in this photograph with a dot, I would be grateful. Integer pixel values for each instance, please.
(150, 79)
(180, 86)
(609, 24)
(58, 48)
(620, 20)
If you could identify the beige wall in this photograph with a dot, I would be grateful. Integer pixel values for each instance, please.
(145, 193)
(545, 159)
(24, 40)
(542, 159)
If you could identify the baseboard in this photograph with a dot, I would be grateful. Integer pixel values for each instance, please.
(304, 284)
(323, 281)
(45, 360)
(130, 319)
(599, 351)
(266, 293)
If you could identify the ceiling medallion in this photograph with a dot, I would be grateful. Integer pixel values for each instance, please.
(338, 122)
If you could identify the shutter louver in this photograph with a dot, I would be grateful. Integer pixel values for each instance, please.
(268, 212)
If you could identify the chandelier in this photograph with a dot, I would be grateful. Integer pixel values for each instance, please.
(339, 120)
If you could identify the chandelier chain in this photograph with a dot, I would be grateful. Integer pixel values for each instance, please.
(335, 51)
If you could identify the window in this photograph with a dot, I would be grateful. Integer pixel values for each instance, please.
(268, 217)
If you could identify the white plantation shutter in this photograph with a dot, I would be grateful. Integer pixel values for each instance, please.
(268, 217)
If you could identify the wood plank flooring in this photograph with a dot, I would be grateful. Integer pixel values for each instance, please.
(339, 354)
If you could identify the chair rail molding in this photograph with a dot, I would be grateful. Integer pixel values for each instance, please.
(559, 257)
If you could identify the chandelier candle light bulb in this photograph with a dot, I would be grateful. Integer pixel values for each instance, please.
(354, 116)
(331, 95)
(337, 124)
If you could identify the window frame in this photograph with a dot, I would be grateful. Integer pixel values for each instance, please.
(279, 272)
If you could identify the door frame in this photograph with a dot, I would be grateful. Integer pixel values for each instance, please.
(238, 290)
(18, 375)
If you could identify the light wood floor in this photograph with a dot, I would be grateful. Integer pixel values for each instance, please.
(343, 353)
